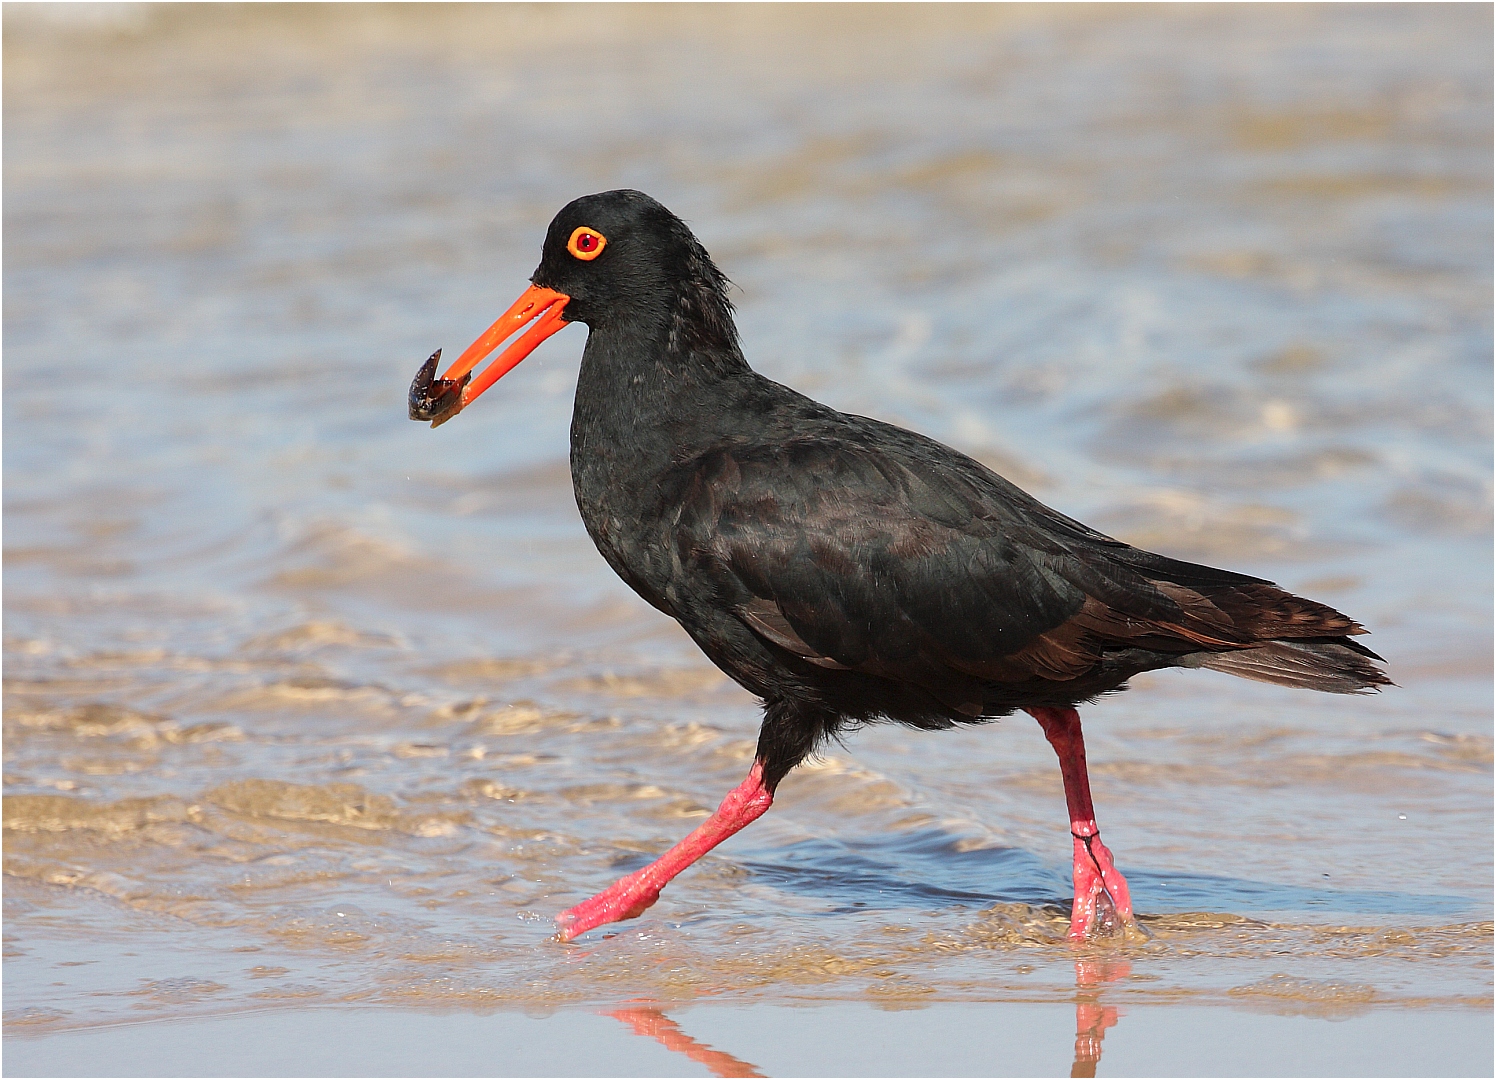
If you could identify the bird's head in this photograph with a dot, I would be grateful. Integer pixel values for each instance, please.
(617, 259)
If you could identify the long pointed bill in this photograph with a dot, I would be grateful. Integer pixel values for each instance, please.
(438, 400)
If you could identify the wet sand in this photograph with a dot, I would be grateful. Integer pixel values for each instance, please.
(840, 1039)
(312, 711)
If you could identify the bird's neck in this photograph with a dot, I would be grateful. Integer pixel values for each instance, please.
(647, 399)
(654, 384)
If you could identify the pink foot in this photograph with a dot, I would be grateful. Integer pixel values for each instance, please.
(626, 898)
(1103, 904)
(631, 896)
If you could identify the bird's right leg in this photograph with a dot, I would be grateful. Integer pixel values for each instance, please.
(633, 895)
(1102, 901)
(787, 736)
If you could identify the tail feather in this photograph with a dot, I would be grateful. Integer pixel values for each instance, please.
(1335, 667)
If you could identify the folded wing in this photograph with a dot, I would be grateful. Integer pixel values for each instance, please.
(899, 558)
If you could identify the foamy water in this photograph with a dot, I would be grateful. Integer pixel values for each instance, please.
(307, 704)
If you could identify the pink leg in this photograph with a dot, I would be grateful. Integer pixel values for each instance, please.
(632, 896)
(1100, 888)
(656, 1025)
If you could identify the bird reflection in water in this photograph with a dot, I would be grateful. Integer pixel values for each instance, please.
(665, 1031)
(1091, 1017)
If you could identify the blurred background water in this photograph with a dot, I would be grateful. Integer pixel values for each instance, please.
(308, 704)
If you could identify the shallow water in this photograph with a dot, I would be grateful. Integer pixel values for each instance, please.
(310, 705)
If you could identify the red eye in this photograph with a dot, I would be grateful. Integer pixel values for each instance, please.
(586, 243)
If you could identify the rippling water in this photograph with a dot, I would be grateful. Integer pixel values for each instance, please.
(306, 703)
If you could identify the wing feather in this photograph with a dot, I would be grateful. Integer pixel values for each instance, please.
(901, 558)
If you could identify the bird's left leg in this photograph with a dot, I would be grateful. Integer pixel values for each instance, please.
(1102, 901)
(633, 895)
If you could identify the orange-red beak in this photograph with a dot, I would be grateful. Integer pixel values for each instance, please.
(441, 399)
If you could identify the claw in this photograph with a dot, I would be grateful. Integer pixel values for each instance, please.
(437, 400)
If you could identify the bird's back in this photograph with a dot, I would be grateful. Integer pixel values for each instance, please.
(853, 549)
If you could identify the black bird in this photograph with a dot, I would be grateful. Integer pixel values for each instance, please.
(845, 570)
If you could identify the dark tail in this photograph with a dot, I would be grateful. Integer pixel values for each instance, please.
(1336, 666)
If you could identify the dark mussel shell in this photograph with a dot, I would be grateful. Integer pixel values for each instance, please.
(437, 400)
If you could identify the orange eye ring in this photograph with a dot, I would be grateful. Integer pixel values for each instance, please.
(586, 244)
